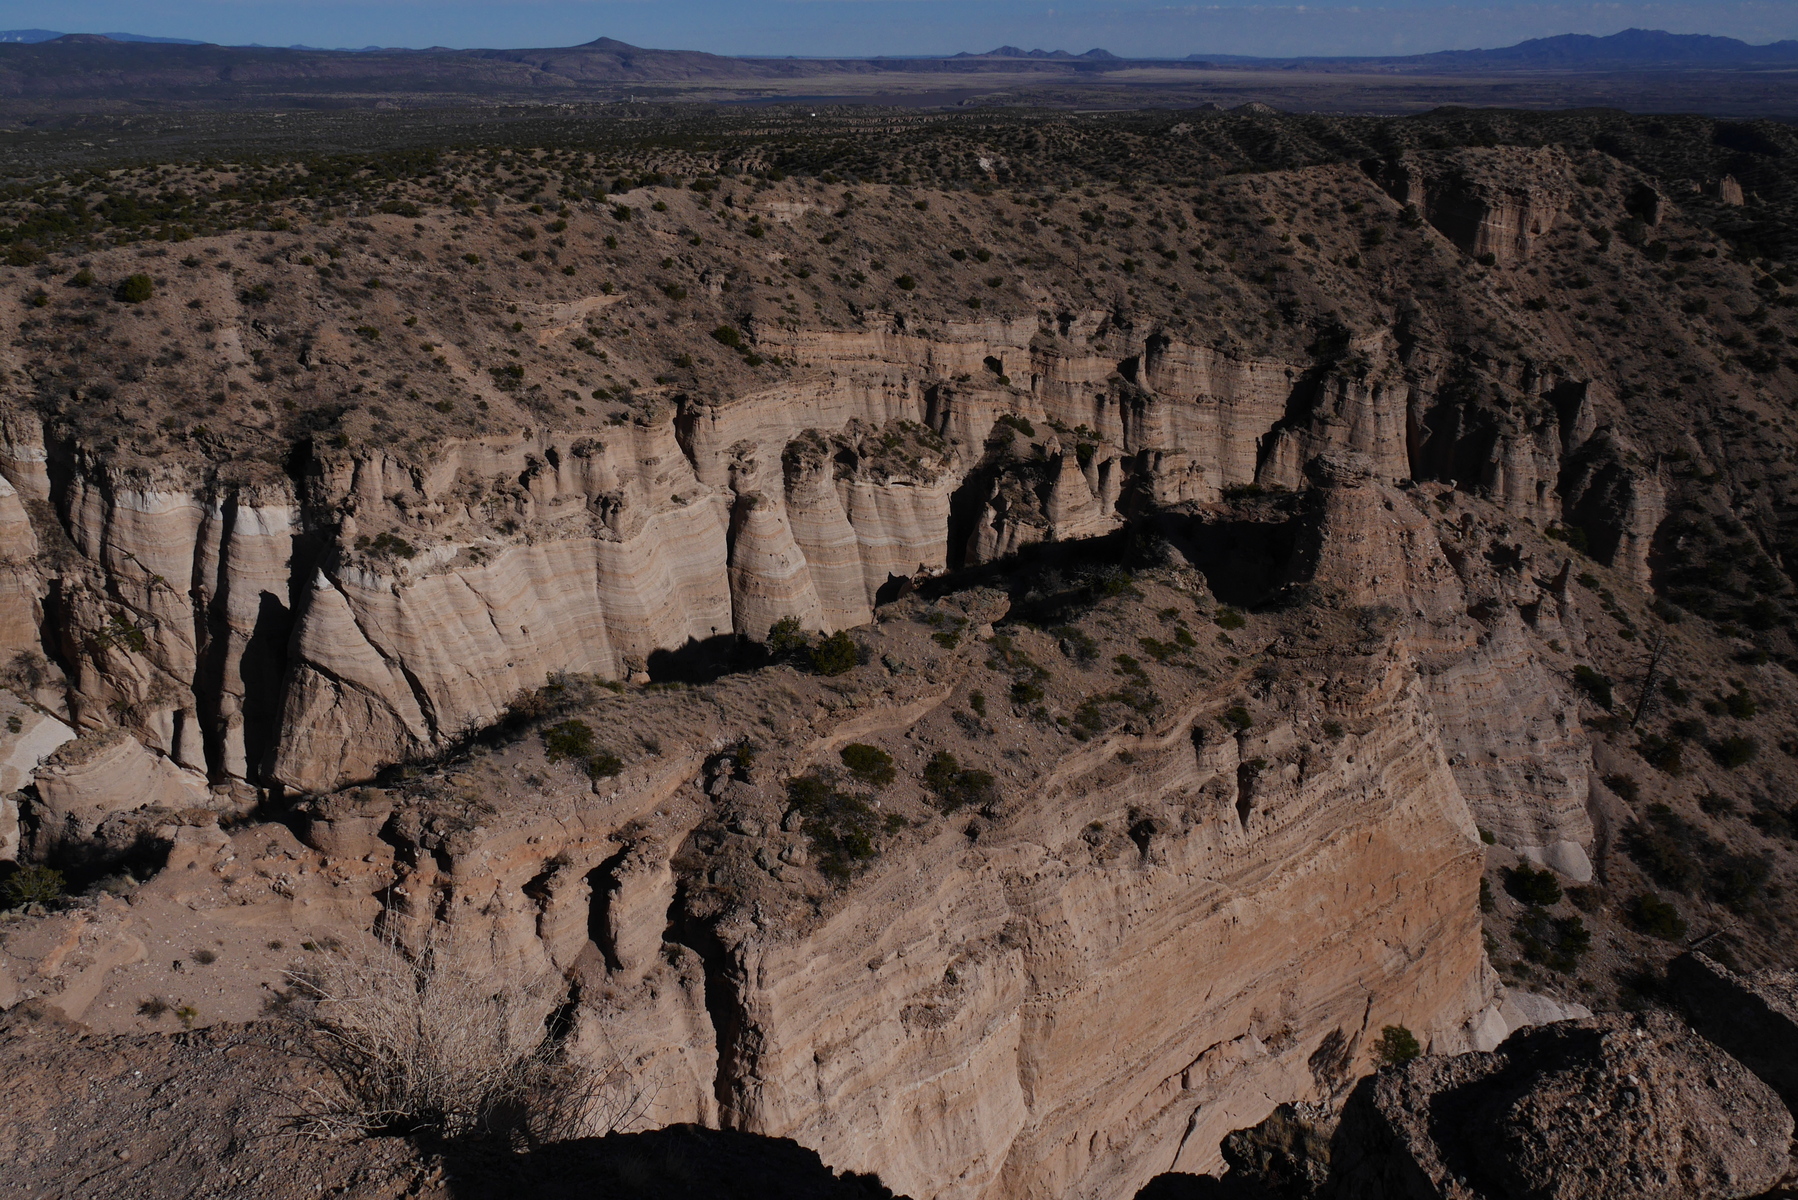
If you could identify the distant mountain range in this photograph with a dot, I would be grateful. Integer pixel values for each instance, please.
(43, 71)
(30, 36)
(1631, 49)
(1014, 52)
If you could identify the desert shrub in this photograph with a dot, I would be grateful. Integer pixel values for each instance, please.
(420, 1046)
(1663, 754)
(1734, 751)
(836, 654)
(568, 739)
(1625, 786)
(1586, 899)
(1740, 704)
(841, 826)
(956, 786)
(1077, 645)
(1555, 942)
(1396, 1045)
(1228, 618)
(786, 637)
(1532, 885)
(1664, 846)
(1655, 916)
(1487, 902)
(32, 884)
(1737, 880)
(573, 739)
(1594, 684)
(1237, 717)
(136, 289)
(977, 702)
(870, 764)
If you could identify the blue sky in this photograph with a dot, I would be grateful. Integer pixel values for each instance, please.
(864, 27)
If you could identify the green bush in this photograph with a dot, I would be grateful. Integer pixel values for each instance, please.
(954, 786)
(136, 289)
(32, 884)
(1237, 717)
(836, 655)
(1555, 942)
(841, 826)
(568, 739)
(1397, 1045)
(1594, 685)
(1229, 618)
(1625, 786)
(1664, 846)
(1533, 886)
(786, 637)
(1733, 752)
(604, 766)
(1653, 915)
(870, 764)
(1026, 691)
(573, 739)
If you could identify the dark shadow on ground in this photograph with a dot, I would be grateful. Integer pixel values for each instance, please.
(680, 1161)
(704, 661)
(1174, 1186)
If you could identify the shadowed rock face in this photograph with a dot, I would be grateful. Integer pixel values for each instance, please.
(301, 659)
(1610, 1106)
(1753, 1017)
(1487, 202)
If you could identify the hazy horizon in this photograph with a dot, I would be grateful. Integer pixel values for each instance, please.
(862, 28)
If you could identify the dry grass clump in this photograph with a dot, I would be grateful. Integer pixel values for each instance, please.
(418, 1045)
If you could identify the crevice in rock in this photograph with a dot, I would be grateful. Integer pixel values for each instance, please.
(722, 1002)
(600, 881)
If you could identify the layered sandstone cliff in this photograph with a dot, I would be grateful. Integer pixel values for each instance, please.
(310, 629)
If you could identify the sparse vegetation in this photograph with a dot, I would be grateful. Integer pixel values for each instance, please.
(1396, 1046)
(843, 827)
(836, 655)
(868, 764)
(1653, 915)
(956, 786)
(418, 1046)
(32, 883)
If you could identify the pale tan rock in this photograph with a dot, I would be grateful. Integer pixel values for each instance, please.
(1488, 202)
(107, 772)
(28, 735)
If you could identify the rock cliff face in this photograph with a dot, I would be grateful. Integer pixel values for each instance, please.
(309, 629)
(1495, 203)
(1095, 979)
(1609, 1106)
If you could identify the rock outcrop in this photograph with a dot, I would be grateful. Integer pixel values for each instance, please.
(1753, 1017)
(103, 774)
(1488, 203)
(1615, 1106)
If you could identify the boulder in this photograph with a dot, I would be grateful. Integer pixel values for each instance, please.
(1753, 1017)
(348, 824)
(104, 772)
(1610, 1107)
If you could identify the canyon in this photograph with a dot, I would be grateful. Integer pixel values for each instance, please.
(1229, 620)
